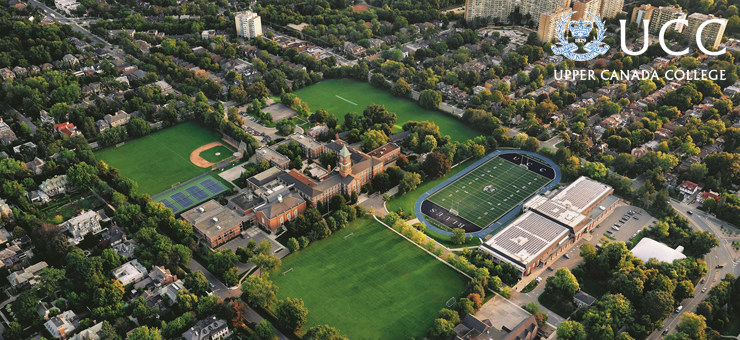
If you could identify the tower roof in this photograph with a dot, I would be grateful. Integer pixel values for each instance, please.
(344, 152)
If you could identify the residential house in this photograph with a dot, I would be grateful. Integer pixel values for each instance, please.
(170, 291)
(7, 136)
(7, 74)
(161, 276)
(92, 333)
(708, 194)
(120, 118)
(56, 185)
(130, 272)
(210, 328)
(70, 61)
(688, 188)
(68, 129)
(12, 255)
(20, 71)
(17, 149)
(36, 165)
(582, 299)
(84, 223)
(61, 325)
(471, 327)
(26, 277)
(5, 211)
(46, 118)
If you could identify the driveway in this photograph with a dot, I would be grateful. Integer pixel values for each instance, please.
(219, 287)
(257, 235)
(375, 202)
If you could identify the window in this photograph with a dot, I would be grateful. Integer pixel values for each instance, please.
(295, 212)
(288, 217)
(281, 220)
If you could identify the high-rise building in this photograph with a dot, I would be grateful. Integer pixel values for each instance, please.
(711, 36)
(664, 14)
(644, 12)
(248, 24)
(493, 9)
(611, 8)
(581, 7)
(549, 22)
(535, 8)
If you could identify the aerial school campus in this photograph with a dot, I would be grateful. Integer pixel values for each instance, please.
(381, 169)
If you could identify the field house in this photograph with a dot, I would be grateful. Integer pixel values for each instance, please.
(550, 225)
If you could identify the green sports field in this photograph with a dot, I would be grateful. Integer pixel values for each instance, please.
(488, 192)
(341, 96)
(217, 153)
(159, 160)
(372, 285)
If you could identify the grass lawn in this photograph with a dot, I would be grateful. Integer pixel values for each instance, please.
(68, 211)
(210, 154)
(372, 285)
(159, 160)
(341, 96)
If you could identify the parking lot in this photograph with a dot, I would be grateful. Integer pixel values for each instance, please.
(572, 258)
(257, 235)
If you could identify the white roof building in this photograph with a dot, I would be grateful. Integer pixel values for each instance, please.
(130, 272)
(83, 224)
(648, 248)
(61, 325)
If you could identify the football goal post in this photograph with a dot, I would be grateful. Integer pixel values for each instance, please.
(451, 302)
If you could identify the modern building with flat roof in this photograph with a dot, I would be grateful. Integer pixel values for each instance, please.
(213, 223)
(549, 226)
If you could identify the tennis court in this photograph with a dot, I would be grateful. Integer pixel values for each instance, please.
(191, 194)
(488, 192)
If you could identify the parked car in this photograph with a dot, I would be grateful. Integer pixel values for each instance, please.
(609, 232)
(615, 228)
(680, 308)
(636, 218)
(566, 256)
(538, 279)
(704, 289)
(690, 212)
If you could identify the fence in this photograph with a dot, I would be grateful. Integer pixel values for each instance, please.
(179, 186)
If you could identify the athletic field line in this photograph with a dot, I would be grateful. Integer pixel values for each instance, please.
(346, 100)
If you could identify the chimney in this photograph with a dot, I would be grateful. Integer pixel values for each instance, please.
(280, 198)
(215, 219)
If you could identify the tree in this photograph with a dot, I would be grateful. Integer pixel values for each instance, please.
(437, 165)
(81, 175)
(108, 332)
(138, 127)
(563, 285)
(145, 333)
(410, 181)
(197, 283)
(13, 332)
(24, 307)
(595, 170)
(259, 291)
(49, 280)
(429, 144)
(266, 263)
(693, 325)
(571, 330)
(442, 330)
(401, 89)
(264, 331)
(458, 236)
(293, 244)
(430, 99)
(323, 332)
(291, 313)
(373, 139)
(657, 304)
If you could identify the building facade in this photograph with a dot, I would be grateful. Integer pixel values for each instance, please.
(213, 223)
(664, 14)
(712, 34)
(581, 7)
(248, 24)
(496, 10)
(535, 8)
(549, 22)
(644, 12)
(611, 8)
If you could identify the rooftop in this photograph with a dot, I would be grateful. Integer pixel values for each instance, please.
(210, 218)
(526, 237)
(648, 248)
(582, 194)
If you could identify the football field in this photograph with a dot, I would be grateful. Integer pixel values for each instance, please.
(486, 193)
(369, 283)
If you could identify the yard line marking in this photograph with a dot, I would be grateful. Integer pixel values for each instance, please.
(346, 100)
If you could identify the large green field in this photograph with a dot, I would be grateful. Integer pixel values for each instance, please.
(372, 285)
(341, 96)
(159, 160)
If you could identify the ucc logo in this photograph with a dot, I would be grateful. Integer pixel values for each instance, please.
(580, 30)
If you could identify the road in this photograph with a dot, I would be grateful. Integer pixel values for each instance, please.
(720, 255)
(224, 292)
(69, 21)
